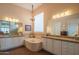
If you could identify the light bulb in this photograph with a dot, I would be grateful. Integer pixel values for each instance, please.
(6, 19)
(57, 16)
(67, 13)
(62, 14)
(17, 20)
(54, 17)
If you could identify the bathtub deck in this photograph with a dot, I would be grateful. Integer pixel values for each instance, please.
(23, 51)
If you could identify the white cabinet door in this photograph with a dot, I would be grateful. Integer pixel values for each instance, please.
(50, 45)
(5, 43)
(17, 41)
(2, 44)
(57, 47)
(76, 52)
(21, 41)
(8, 43)
(67, 48)
(44, 45)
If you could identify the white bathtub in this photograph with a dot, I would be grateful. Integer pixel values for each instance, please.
(33, 44)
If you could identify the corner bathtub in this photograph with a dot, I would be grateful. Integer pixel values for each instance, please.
(33, 44)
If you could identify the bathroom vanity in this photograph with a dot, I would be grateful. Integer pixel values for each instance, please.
(11, 34)
(61, 45)
(11, 42)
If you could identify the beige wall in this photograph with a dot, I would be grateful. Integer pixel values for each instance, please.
(52, 9)
(23, 15)
(14, 11)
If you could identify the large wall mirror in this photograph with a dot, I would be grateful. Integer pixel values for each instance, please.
(10, 28)
(68, 24)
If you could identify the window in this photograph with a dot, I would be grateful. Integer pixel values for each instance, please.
(38, 23)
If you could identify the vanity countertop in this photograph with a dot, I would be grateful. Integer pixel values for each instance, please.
(63, 38)
(6, 36)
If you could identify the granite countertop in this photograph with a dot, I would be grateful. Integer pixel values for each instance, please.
(63, 38)
(7, 36)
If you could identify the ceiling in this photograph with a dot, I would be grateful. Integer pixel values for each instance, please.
(28, 6)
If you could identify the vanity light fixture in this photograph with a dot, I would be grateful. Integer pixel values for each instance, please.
(11, 19)
(66, 13)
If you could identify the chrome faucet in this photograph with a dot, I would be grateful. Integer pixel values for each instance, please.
(76, 37)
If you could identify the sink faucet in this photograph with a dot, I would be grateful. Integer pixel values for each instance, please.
(76, 36)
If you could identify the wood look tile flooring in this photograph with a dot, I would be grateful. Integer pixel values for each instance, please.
(23, 51)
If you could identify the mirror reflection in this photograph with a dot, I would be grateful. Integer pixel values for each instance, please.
(10, 28)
